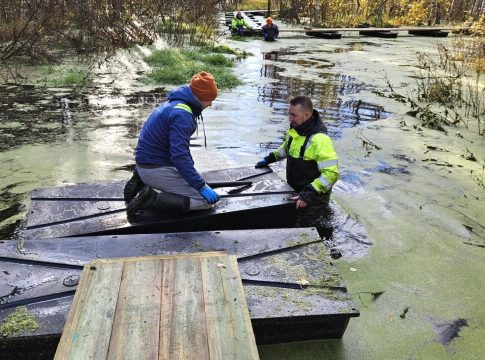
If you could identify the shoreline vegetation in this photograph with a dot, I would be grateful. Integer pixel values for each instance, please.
(449, 90)
(40, 33)
(176, 66)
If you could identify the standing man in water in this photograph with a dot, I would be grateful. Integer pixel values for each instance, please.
(270, 30)
(163, 159)
(312, 165)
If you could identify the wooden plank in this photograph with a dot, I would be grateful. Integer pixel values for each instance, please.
(137, 316)
(242, 320)
(167, 307)
(157, 257)
(166, 311)
(86, 334)
(188, 331)
(226, 335)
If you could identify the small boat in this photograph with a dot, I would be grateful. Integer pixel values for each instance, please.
(99, 208)
(324, 34)
(293, 291)
(379, 33)
(430, 33)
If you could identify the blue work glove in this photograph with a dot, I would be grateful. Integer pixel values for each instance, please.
(210, 195)
(261, 164)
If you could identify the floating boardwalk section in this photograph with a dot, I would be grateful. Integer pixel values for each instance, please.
(99, 208)
(292, 289)
(169, 307)
(332, 33)
(257, 18)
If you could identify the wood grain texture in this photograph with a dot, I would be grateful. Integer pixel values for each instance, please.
(160, 307)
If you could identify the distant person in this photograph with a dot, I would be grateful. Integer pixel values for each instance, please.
(240, 26)
(163, 159)
(270, 30)
(312, 165)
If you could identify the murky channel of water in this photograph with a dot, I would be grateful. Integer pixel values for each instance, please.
(51, 137)
(418, 261)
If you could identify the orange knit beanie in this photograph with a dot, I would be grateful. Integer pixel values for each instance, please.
(269, 20)
(204, 86)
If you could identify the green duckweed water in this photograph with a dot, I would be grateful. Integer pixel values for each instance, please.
(417, 213)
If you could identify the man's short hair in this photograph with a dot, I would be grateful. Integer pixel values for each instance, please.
(304, 101)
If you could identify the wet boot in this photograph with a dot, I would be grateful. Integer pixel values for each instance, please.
(132, 187)
(162, 202)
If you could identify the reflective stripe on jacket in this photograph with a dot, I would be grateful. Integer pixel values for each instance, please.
(165, 137)
(317, 164)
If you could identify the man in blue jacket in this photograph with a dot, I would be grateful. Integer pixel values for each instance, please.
(270, 30)
(163, 159)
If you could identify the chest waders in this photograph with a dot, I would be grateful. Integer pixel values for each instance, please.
(300, 173)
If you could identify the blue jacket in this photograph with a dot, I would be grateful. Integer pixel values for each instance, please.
(165, 137)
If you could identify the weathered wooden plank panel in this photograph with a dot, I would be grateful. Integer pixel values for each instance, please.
(156, 307)
(228, 320)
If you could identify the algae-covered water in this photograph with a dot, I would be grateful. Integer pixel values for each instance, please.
(409, 213)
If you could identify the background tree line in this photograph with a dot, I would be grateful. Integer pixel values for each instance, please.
(378, 12)
(41, 30)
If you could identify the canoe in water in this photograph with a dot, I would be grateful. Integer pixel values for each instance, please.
(293, 291)
(99, 208)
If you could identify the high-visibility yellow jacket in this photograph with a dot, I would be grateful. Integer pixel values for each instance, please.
(235, 23)
(311, 158)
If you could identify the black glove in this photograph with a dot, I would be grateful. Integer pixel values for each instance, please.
(261, 164)
(266, 161)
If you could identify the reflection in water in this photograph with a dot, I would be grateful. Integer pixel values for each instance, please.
(30, 116)
(326, 91)
(356, 46)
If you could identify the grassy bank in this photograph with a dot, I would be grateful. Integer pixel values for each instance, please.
(177, 65)
(60, 76)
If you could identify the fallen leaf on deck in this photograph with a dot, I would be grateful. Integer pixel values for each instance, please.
(303, 282)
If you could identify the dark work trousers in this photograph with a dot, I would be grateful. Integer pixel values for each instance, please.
(314, 215)
(168, 179)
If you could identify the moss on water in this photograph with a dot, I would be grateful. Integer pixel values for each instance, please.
(17, 322)
(419, 260)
